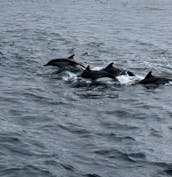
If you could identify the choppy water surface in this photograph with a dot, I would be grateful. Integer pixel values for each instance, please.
(51, 127)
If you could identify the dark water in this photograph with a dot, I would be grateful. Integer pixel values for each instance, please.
(50, 127)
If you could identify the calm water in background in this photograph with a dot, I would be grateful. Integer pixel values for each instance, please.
(50, 128)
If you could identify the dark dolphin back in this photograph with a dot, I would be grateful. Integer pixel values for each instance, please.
(154, 80)
(63, 62)
(72, 59)
(92, 74)
(108, 67)
(86, 72)
(116, 71)
(148, 78)
(51, 62)
(112, 70)
(149, 75)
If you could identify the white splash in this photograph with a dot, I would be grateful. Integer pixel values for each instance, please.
(69, 76)
(169, 83)
(97, 68)
(129, 80)
(106, 80)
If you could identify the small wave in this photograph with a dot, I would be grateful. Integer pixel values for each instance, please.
(116, 137)
(95, 44)
(153, 8)
(137, 156)
(67, 167)
(91, 175)
(72, 128)
(114, 153)
(10, 138)
(28, 170)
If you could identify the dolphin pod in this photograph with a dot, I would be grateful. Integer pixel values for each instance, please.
(109, 71)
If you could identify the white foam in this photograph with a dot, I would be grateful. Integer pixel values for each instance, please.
(105, 80)
(69, 76)
(97, 68)
(169, 83)
(129, 80)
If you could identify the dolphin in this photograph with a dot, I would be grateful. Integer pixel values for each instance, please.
(63, 62)
(93, 75)
(154, 80)
(116, 71)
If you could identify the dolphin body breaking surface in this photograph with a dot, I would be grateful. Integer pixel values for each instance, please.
(109, 71)
(154, 80)
(94, 74)
(116, 71)
(64, 62)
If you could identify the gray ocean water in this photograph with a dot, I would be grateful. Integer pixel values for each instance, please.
(52, 128)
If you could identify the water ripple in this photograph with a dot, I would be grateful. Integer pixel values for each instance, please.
(55, 124)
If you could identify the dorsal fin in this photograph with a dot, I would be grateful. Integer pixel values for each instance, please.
(149, 75)
(109, 65)
(71, 57)
(87, 68)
